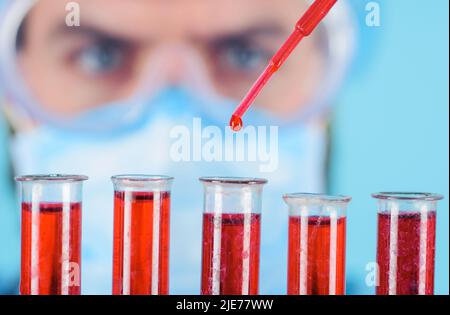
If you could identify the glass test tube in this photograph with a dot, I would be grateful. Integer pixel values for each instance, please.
(316, 256)
(406, 243)
(51, 234)
(231, 235)
(141, 234)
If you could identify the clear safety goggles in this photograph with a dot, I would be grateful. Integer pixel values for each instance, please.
(72, 70)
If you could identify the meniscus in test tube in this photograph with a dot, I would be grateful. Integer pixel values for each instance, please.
(316, 254)
(51, 234)
(406, 243)
(141, 234)
(231, 235)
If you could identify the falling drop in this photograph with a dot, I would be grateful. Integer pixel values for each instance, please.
(236, 123)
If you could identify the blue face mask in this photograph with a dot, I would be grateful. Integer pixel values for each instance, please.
(147, 148)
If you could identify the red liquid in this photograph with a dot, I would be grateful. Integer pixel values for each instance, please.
(230, 263)
(304, 27)
(236, 123)
(141, 243)
(409, 249)
(51, 249)
(310, 254)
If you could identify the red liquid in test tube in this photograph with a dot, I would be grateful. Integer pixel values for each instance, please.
(231, 245)
(316, 252)
(406, 243)
(48, 251)
(141, 235)
(231, 235)
(51, 235)
(316, 261)
(304, 27)
(411, 275)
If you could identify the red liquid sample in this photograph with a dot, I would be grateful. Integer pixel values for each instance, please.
(51, 249)
(141, 243)
(231, 245)
(236, 123)
(408, 248)
(304, 27)
(312, 252)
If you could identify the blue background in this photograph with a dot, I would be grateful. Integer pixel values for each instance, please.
(390, 132)
(391, 128)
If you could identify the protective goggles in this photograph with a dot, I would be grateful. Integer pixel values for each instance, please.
(55, 72)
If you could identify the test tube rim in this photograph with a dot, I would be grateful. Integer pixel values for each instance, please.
(408, 196)
(317, 198)
(224, 180)
(141, 178)
(51, 178)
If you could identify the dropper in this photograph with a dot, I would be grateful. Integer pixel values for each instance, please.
(304, 27)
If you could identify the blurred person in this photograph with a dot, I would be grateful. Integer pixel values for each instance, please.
(103, 98)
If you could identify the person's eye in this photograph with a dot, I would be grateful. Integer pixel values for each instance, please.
(101, 58)
(240, 56)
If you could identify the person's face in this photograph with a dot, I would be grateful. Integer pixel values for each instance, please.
(72, 69)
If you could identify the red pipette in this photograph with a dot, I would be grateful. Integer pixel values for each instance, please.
(304, 27)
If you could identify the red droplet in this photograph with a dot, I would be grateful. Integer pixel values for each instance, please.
(236, 123)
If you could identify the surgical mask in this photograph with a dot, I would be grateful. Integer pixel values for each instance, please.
(146, 149)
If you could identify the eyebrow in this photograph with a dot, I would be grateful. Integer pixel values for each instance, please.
(263, 30)
(62, 30)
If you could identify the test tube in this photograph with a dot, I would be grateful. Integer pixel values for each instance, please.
(316, 252)
(51, 234)
(141, 234)
(231, 235)
(406, 243)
